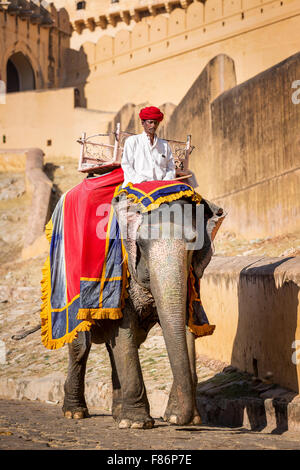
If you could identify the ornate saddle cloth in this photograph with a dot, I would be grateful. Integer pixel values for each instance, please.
(85, 275)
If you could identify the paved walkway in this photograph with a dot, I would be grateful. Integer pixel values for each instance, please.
(28, 370)
(226, 396)
(40, 426)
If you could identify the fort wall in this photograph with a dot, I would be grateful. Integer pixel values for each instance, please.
(41, 38)
(254, 304)
(247, 146)
(157, 58)
(48, 119)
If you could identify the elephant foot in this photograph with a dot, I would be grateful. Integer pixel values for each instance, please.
(76, 414)
(179, 413)
(175, 419)
(196, 420)
(130, 424)
(116, 410)
(174, 416)
(126, 423)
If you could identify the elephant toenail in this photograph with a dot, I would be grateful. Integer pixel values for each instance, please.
(68, 415)
(173, 419)
(149, 425)
(137, 425)
(124, 424)
(197, 420)
(79, 415)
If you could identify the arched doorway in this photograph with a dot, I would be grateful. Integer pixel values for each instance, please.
(19, 73)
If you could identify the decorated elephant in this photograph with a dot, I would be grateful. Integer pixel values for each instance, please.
(162, 287)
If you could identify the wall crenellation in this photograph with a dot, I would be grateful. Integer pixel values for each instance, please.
(161, 36)
(118, 15)
(33, 40)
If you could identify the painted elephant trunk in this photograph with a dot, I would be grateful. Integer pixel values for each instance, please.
(168, 280)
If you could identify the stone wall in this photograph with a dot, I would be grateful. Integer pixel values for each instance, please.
(38, 187)
(157, 58)
(247, 145)
(41, 37)
(254, 304)
(48, 119)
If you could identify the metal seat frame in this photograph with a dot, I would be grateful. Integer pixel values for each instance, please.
(96, 156)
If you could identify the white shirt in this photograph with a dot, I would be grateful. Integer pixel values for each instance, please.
(142, 161)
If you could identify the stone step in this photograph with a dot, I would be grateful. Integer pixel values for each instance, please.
(277, 413)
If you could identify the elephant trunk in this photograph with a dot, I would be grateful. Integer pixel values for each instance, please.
(168, 280)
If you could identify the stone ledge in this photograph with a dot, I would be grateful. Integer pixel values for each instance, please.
(254, 303)
(50, 389)
(31, 162)
(283, 268)
(272, 414)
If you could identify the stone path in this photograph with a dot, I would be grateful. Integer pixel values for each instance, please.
(28, 370)
(39, 426)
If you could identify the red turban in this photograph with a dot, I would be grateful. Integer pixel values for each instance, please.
(152, 113)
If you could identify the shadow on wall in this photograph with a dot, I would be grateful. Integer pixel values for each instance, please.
(259, 388)
(56, 193)
(76, 72)
(267, 323)
(126, 117)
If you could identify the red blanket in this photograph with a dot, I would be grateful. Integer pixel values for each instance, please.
(85, 275)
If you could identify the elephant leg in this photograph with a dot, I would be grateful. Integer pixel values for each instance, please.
(117, 393)
(172, 402)
(74, 401)
(134, 411)
(190, 339)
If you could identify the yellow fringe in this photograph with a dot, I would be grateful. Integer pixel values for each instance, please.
(49, 230)
(202, 330)
(89, 315)
(46, 293)
(198, 330)
(99, 314)
(46, 335)
(173, 197)
(189, 193)
(135, 199)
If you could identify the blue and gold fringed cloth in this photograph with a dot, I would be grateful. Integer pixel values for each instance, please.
(86, 273)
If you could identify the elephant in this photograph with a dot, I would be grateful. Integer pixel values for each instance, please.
(157, 293)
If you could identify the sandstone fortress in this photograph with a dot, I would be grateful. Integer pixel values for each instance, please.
(71, 67)
(224, 71)
(113, 53)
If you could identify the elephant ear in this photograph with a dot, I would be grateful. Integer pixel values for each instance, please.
(213, 218)
(129, 217)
